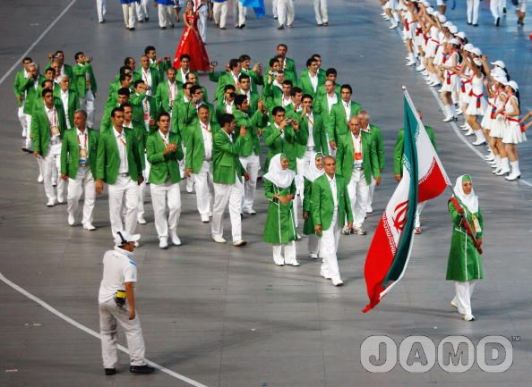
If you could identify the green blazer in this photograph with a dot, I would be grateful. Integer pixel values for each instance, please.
(370, 161)
(185, 114)
(272, 96)
(179, 77)
(399, 149)
(70, 152)
(290, 71)
(226, 164)
(251, 142)
(254, 77)
(73, 105)
(287, 144)
(136, 101)
(220, 108)
(40, 128)
(81, 73)
(321, 106)
(337, 122)
(163, 167)
(162, 96)
(155, 78)
(322, 204)
(195, 154)
(253, 101)
(319, 133)
(32, 92)
(68, 69)
(18, 86)
(108, 158)
(306, 85)
(224, 79)
(378, 140)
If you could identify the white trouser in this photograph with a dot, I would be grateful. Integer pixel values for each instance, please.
(128, 10)
(142, 188)
(252, 165)
(110, 314)
(161, 194)
(289, 256)
(126, 188)
(52, 163)
(313, 244)
(101, 9)
(28, 142)
(328, 246)
(274, 8)
(372, 186)
(420, 206)
(23, 122)
(472, 11)
(203, 184)
(285, 10)
(358, 191)
(225, 194)
(87, 103)
(464, 291)
(219, 12)
(320, 10)
(84, 181)
(165, 14)
(202, 23)
(240, 13)
(142, 10)
(496, 9)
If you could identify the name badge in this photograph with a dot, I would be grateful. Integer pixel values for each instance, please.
(83, 157)
(55, 131)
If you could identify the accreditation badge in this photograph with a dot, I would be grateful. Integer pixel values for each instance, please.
(55, 131)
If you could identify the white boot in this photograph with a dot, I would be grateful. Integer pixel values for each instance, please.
(516, 172)
(448, 110)
(480, 138)
(504, 167)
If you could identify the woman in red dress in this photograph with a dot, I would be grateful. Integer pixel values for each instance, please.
(191, 43)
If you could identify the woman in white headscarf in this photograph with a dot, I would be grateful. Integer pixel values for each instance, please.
(314, 171)
(465, 263)
(279, 228)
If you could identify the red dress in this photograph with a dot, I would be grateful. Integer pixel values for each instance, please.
(192, 45)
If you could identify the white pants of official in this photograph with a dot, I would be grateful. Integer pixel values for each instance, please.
(202, 23)
(496, 8)
(372, 186)
(285, 10)
(420, 206)
(240, 13)
(165, 15)
(301, 167)
(84, 181)
(23, 122)
(128, 11)
(203, 184)
(52, 163)
(123, 192)
(252, 166)
(358, 191)
(101, 9)
(289, 256)
(142, 189)
(141, 9)
(110, 315)
(87, 103)
(225, 194)
(29, 145)
(219, 13)
(328, 247)
(161, 196)
(472, 11)
(313, 244)
(320, 10)
(464, 291)
(274, 8)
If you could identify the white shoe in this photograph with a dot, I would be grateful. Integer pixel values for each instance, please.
(141, 220)
(469, 317)
(163, 242)
(513, 176)
(218, 239)
(40, 179)
(502, 171)
(292, 263)
(325, 274)
(425, 73)
(250, 212)
(489, 157)
(278, 262)
(420, 67)
(175, 239)
(60, 201)
(89, 227)
(337, 282)
(479, 142)
(369, 210)
(459, 112)
(436, 83)
(240, 243)
(393, 26)
(205, 218)
(454, 304)
(71, 220)
(448, 119)
(411, 62)
(469, 132)
(313, 256)
(50, 203)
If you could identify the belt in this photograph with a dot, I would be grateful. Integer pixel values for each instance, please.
(310, 148)
(125, 174)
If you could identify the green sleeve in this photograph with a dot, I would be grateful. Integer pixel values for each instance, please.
(481, 222)
(100, 159)
(331, 123)
(154, 157)
(456, 218)
(307, 190)
(272, 135)
(340, 153)
(35, 133)
(380, 149)
(301, 136)
(268, 189)
(214, 76)
(375, 166)
(398, 150)
(64, 151)
(315, 203)
(189, 141)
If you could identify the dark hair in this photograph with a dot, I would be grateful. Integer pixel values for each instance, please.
(138, 82)
(127, 59)
(331, 71)
(116, 109)
(148, 49)
(124, 91)
(243, 76)
(273, 61)
(288, 82)
(282, 45)
(204, 106)
(348, 87)
(77, 55)
(307, 96)
(45, 82)
(278, 109)
(125, 105)
(163, 114)
(310, 61)
(82, 112)
(226, 119)
(233, 63)
(184, 56)
(240, 99)
(46, 91)
(27, 59)
(124, 76)
(244, 57)
(195, 88)
(124, 69)
(295, 90)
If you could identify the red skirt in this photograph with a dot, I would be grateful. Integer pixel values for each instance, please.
(192, 45)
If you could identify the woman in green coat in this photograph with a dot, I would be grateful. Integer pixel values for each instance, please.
(313, 171)
(465, 263)
(279, 228)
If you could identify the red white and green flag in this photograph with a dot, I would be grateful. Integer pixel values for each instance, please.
(423, 179)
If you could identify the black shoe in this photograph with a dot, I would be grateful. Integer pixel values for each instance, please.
(498, 21)
(281, 27)
(144, 369)
(469, 23)
(504, 10)
(475, 25)
(110, 371)
(242, 26)
(146, 18)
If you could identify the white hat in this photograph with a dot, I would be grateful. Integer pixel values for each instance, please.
(500, 78)
(460, 35)
(441, 18)
(512, 84)
(497, 72)
(430, 10)
(453, 29)
(476, 51)
(468, 47)
(125, 237)
(499, 63)
(448, 24)
(425, 3)
(454, 42)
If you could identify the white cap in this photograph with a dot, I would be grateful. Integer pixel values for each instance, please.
(469, 47)
(125, 237)
(501, 79)
(454, 42)
(441, 18)
(497, 72)
(499, 63)
(425, 3)
(512, 84)
(430, 10)
(460, 35)
(476, 51)
(453, 29)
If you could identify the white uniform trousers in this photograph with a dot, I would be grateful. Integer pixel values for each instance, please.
(23, 123)
(87, 103)
(219, 12)
(52, 163)
(203, 187)
(328, 247)
(372, 186)
(462, 299)
(165, 14)
(285, 10)
(472, 11)
(84, 181)
(419, 209)
(252, 166)
(313, 244)
(189, 185)
(202, 22)
(123, 188)
(496, 9)
(110, 314)
(320, 10)
(141, 8)
(274, 8)
(358, 191)
(29, 145)
(225, 194)
(161, 195)
(128, 10)
(240, 13)
(142, 189)
(289, 256)
(101, 9)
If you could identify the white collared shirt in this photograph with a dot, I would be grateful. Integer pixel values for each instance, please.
(229, 106)
(347, 108)
(310, 121)
(64, 101)
(281, 130)
(146, 77)
(331, 101)
(52, 116)
(332, 184)
(207, 140)
(172, 92)
(357, 149)
(165, 137)
(83, 140)
(122, 150)
(313, 80)
(184, 75)
(285, 101)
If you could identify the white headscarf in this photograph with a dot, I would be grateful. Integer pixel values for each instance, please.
(282, 178)
(471, 200)
(312, 172)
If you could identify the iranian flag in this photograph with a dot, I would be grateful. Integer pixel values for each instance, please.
(423, 179)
